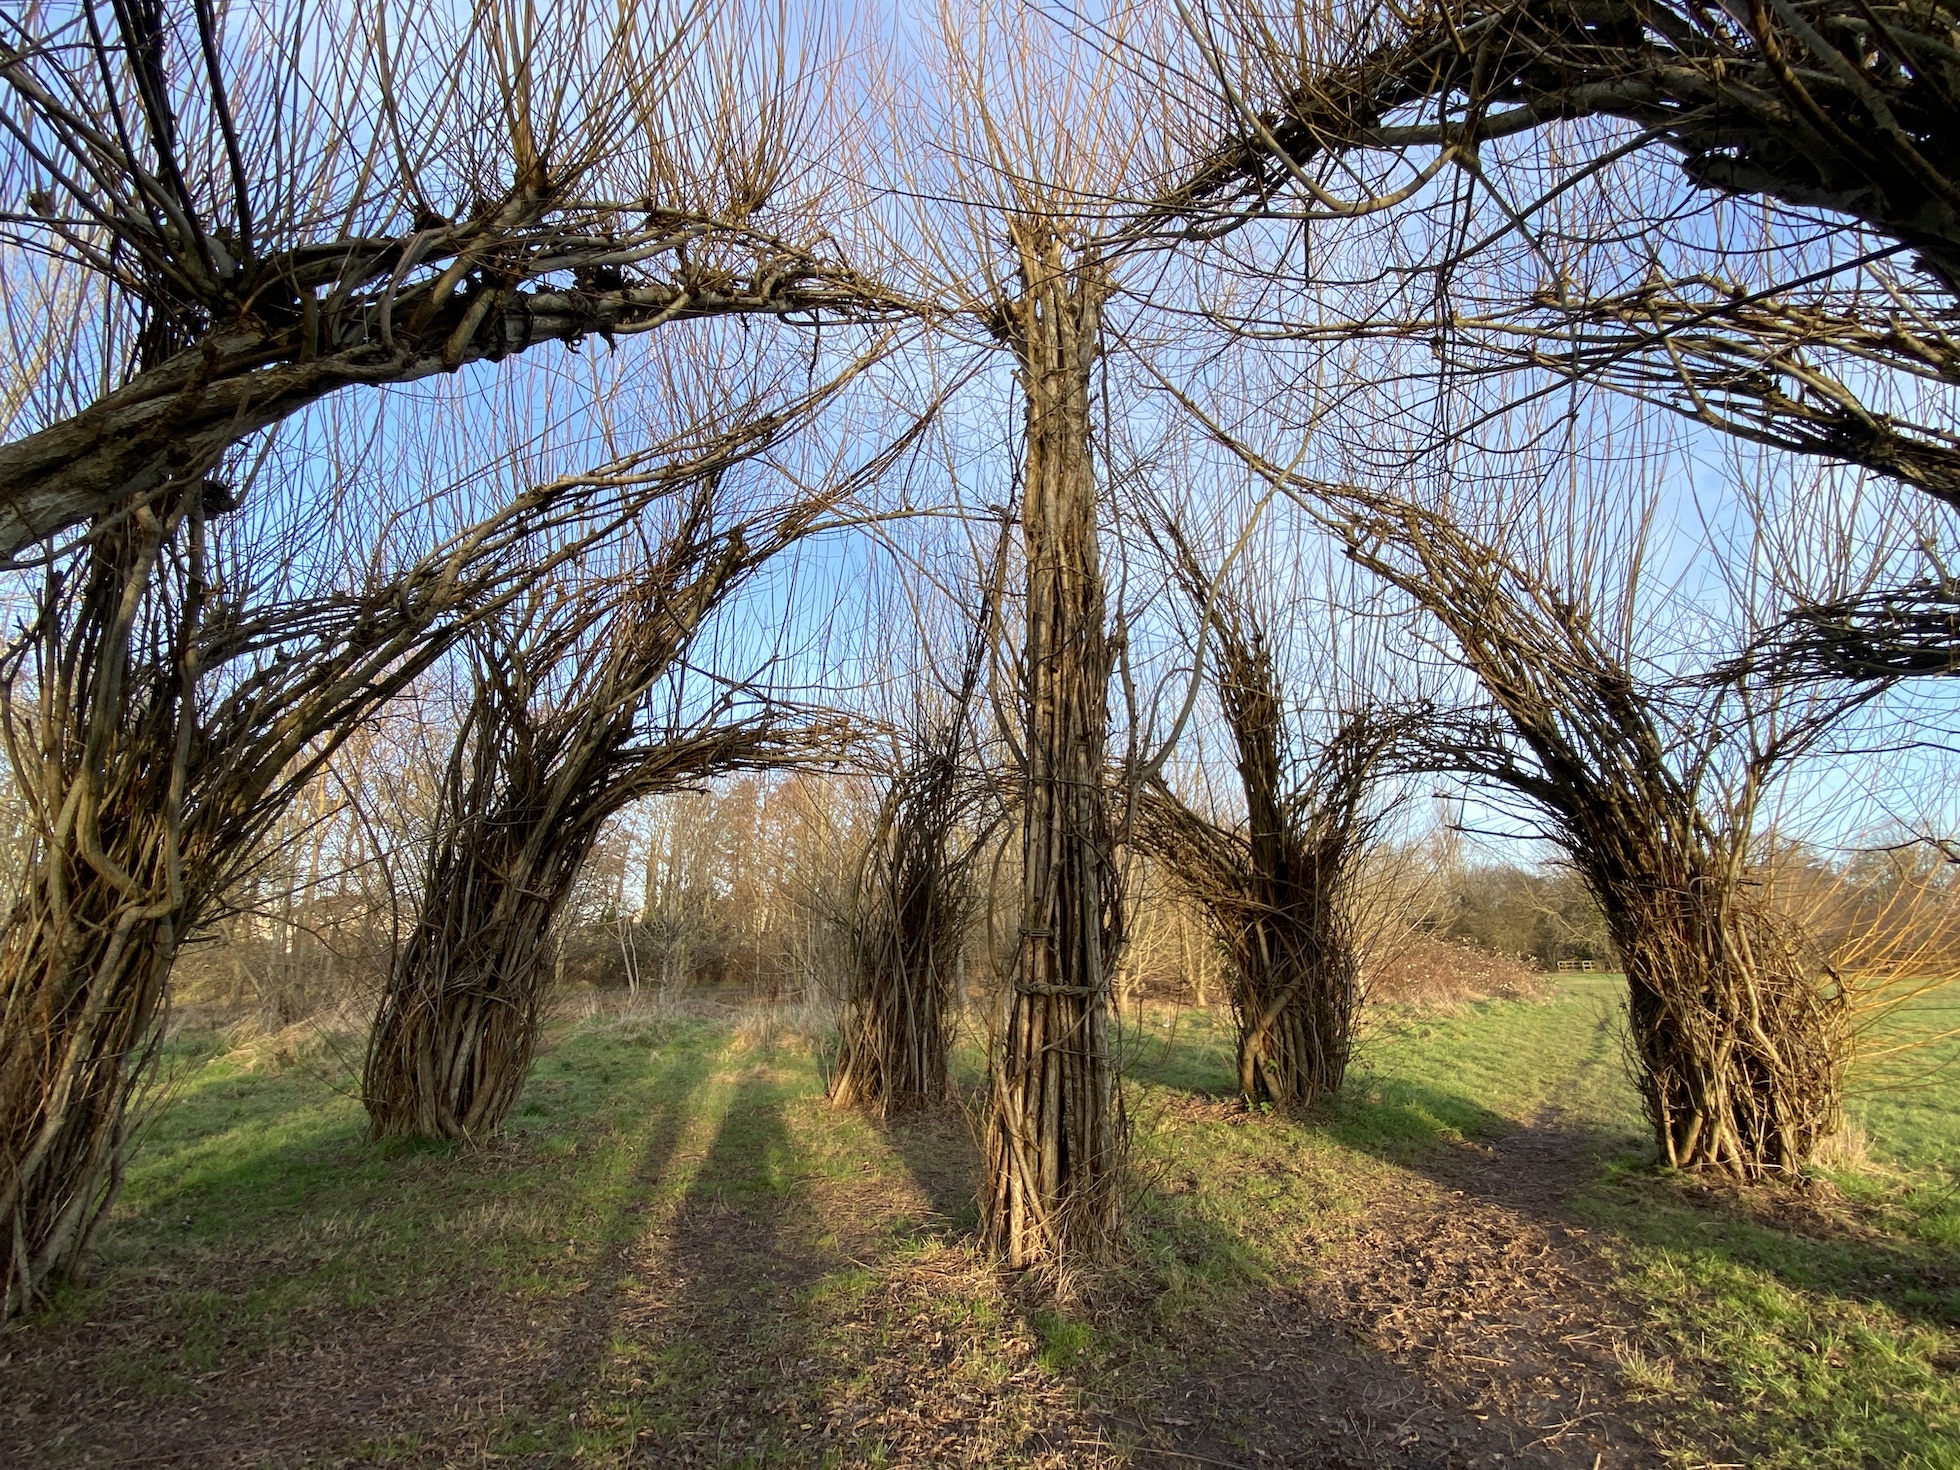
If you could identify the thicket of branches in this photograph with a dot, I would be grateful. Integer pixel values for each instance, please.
(1352, 251)
(558, 737)
(916, 899)
(1738, 1028)
(161, 714)
(1277, 885)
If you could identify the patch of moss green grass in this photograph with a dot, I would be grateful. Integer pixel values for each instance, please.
(256, 1200)
(675, 1229)
(1820, 1326)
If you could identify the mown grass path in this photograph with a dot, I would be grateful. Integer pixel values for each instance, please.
(681, 1256)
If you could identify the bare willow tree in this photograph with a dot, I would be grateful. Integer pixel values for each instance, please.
(446, 187)
(1024, 152)
(227, 247)
(525, 796)
(1054, 1136)
(917, 896)
(585, 699)
(1652, 787)
(179, 681)
(1278, 887)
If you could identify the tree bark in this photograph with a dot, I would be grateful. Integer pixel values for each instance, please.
(1738, 1045)
(104, 900)
(452, 1045)
(179, 418)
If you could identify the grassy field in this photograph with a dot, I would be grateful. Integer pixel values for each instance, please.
(680, 1255)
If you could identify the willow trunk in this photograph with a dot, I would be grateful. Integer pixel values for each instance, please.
(1738, 1046)
(93, 701)
(85, 993)
(1296, 986)
(453, 1042)
(1297, 977)
(1054, 1139)
(895, 1041)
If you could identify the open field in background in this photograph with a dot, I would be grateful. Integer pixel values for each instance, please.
(682, 1256)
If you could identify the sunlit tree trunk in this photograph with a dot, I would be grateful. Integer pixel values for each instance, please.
(452, 1046)
(1054, 1142)
(1738, 1041)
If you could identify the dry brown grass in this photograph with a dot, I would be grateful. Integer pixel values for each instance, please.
(1428, 973)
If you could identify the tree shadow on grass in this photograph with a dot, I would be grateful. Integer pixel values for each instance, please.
(711, 1345)
(790, 1313)
(771, 1315)
(308, 1303)
(1579, 1173)
(937, 1148)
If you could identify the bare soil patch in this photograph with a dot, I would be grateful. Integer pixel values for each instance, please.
(1463, 1323)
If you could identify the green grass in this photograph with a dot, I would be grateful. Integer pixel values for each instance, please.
(1824, 1336)
(1827, 1339)
(688, 1248)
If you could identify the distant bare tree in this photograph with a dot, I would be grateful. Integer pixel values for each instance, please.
(1278, 890)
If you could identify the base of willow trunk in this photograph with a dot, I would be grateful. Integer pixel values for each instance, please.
(1735, 1087)
(50, 1238)
(886, 1065)
(1293, 1058)
(448, 1068)
(69, 1088)
(1055, 1136)
(1296, 1033)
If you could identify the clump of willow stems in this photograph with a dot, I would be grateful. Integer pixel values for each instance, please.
(161, 712)
(1276, 890)
(1738, 1034)
(560, 734)
(915, 903)
(1055, 1135)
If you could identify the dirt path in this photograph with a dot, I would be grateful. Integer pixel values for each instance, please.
(1469, 1322)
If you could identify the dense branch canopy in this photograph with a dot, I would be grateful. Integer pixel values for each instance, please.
(1820, 106)
(344, 239)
